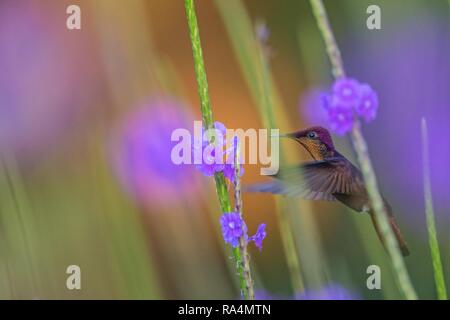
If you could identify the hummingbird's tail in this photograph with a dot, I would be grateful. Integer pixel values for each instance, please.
(398, 235)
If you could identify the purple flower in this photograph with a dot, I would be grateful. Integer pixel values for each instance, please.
(261, 294)
(349, 97)
(209, 166)
(346, 91)
(330, 292)
(220, 132)
(142, 153)
(259, 236)
(340, 118)
(368, 104)
(210, 161)
(219, 135)
(233, 227)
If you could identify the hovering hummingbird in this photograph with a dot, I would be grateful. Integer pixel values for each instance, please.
(330, 177)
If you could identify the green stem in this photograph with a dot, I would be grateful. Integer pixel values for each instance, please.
(207, 117)
(334, 54)
(362, 153)
(199, 65)
(432, 235)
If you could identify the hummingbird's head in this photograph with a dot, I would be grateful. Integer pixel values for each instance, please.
(316, 140)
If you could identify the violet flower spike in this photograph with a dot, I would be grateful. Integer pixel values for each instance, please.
(210, 165)
(233, 227)
(349, 98)
(259, 236)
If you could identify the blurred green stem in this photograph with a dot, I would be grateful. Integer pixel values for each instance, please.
(432, 235)
(202, 83)
(22, 215)
(292, 257)
(361, 149)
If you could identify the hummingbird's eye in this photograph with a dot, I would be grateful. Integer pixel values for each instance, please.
(312, 134)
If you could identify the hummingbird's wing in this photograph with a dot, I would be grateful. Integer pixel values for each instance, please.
(315, 180)
(329, 179)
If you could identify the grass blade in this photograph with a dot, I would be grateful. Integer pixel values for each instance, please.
(432, 235)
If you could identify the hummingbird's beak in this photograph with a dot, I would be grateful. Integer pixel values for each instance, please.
(286, 135)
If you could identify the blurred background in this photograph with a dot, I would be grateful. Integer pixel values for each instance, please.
(85, 123)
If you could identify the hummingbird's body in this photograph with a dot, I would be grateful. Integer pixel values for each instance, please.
(329, 177)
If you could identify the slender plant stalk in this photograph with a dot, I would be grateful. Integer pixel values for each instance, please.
(334, 54)
(202, 83)
(238, 208)
(432, 235)
(361, 149)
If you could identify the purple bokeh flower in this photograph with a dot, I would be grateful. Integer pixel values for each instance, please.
(233, 227)
(261, 294)
(346, 91)
(142, 153)
(259, 236)
(340, 118)
(347, 98)
(330, 292)
(368, 103)
(48, 79)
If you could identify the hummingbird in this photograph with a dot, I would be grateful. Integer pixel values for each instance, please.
(330, 176)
